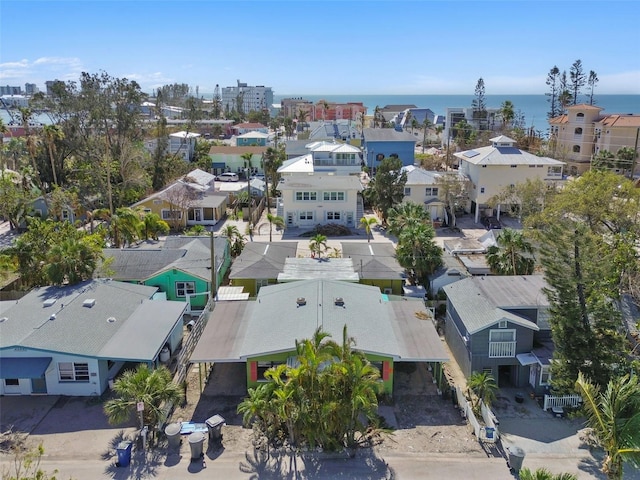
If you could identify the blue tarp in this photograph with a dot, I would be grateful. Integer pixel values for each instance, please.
(24, 367)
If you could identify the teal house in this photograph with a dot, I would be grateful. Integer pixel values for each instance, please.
(181, 269)
(252, 139)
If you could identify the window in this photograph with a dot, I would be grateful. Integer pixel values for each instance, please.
(578, 131)
(514, 166)
(431, 191)
(11, 382)
(306, 215)
(263, 367)
(333, 196)
(184, 288)
(484, 166)
(502, 335)
(171, 214)
(502, 324)
(545, 375)
(333, 215)
(576, 149)
(554, 170)
(73, 372)
(307, 196)
(407, 190)
(481, 189)
(65, 214)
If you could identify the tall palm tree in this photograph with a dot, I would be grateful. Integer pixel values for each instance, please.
(52, 133)
(153, 388)
(614, 417)
(235, 238)
(367, 223)
(406, 214)
(507, 113)
(274, 220)
(247, 164)
(72, 261)
(318, 244)
(513, 254)
(426, 125)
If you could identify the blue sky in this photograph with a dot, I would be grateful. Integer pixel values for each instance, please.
(323, 47)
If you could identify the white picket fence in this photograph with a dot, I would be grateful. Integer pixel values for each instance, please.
(551, 401)
(488, 433)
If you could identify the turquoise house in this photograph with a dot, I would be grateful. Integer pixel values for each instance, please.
(252, 139)
(181, 269)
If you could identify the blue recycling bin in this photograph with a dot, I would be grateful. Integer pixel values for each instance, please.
(124, 453)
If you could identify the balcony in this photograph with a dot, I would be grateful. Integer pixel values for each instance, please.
(502, 349)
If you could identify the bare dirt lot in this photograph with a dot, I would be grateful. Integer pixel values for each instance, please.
(423, 421)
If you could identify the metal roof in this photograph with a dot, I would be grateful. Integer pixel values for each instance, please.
(504, 156)
(312, 268)
(274, 321)
(322, 181)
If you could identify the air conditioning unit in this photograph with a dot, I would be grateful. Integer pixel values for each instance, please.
(387, 291)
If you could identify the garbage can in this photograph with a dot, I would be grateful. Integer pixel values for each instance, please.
(516, 457)
(214, 425)
(124, 454)
(196, 440)
(172, 431)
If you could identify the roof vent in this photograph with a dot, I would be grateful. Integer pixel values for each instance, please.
(301, 301)
(49, 301)
(111, 319)
(89, 302)
(3, 319)
(52, 317)
(339, 302)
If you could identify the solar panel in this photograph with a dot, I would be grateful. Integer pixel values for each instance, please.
(471, 153)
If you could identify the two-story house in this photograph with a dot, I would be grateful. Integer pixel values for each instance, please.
(227, 158)
(380, 143)
(252, 139)
(493, 168)
(499, 325)
(183, 144)
(422, 188)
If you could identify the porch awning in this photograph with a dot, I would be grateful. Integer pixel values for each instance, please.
(527, 359)
(24, 367)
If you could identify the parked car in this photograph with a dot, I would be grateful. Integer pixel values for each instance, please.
(491, 223)
(228, 177)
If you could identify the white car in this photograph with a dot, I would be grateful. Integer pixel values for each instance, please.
(228, 177)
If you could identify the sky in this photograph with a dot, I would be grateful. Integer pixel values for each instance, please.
(423, 47)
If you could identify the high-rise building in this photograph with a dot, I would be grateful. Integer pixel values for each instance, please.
(252, 98)
(30, 88)
(10, 90)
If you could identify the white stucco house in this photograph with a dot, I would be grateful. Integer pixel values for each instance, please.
(325, 157)
(422, 188)
(72, 340)
(499, 165)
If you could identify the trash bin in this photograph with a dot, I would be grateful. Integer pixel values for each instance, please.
(124, 454)
(172, 431)
(214, 425)
(196, 440)
(516, 457)
(488, 432)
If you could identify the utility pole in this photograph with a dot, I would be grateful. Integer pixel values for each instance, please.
(214, 276)
(635, 154)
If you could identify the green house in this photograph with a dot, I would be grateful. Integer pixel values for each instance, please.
(181, 269)
(262, 333)
(376, 265)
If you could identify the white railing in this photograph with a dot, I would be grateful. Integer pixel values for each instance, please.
(502, 349)
(551, 401)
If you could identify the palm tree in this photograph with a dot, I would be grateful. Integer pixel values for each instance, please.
(152, 226)
(367, 223)
(484, 387)
(513, 254)
(235, 238)
(274, 220)
(614, 417)
(426, 125)
(507, 113)
(544, 474)
(418, 253)
(153, 388)
(51, 134)
(72, 260)
(318, 244)
(406, 214)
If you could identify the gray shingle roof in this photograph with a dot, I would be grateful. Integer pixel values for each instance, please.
(484, 301)
(138, 264)
(387, 135)
(373, 260)
(274, 322)
(262, 260)
(67, 326)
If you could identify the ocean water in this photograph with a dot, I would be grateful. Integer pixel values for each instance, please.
(533, 107)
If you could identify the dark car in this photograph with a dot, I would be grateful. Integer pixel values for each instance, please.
(491, 223)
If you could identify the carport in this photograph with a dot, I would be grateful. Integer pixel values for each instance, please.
(12, 370)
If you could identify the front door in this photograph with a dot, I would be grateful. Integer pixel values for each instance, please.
(350, 219)
(38, 385)
(289, 219)
(197, 215)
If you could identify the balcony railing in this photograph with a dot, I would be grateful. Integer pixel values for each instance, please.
(502, 349)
